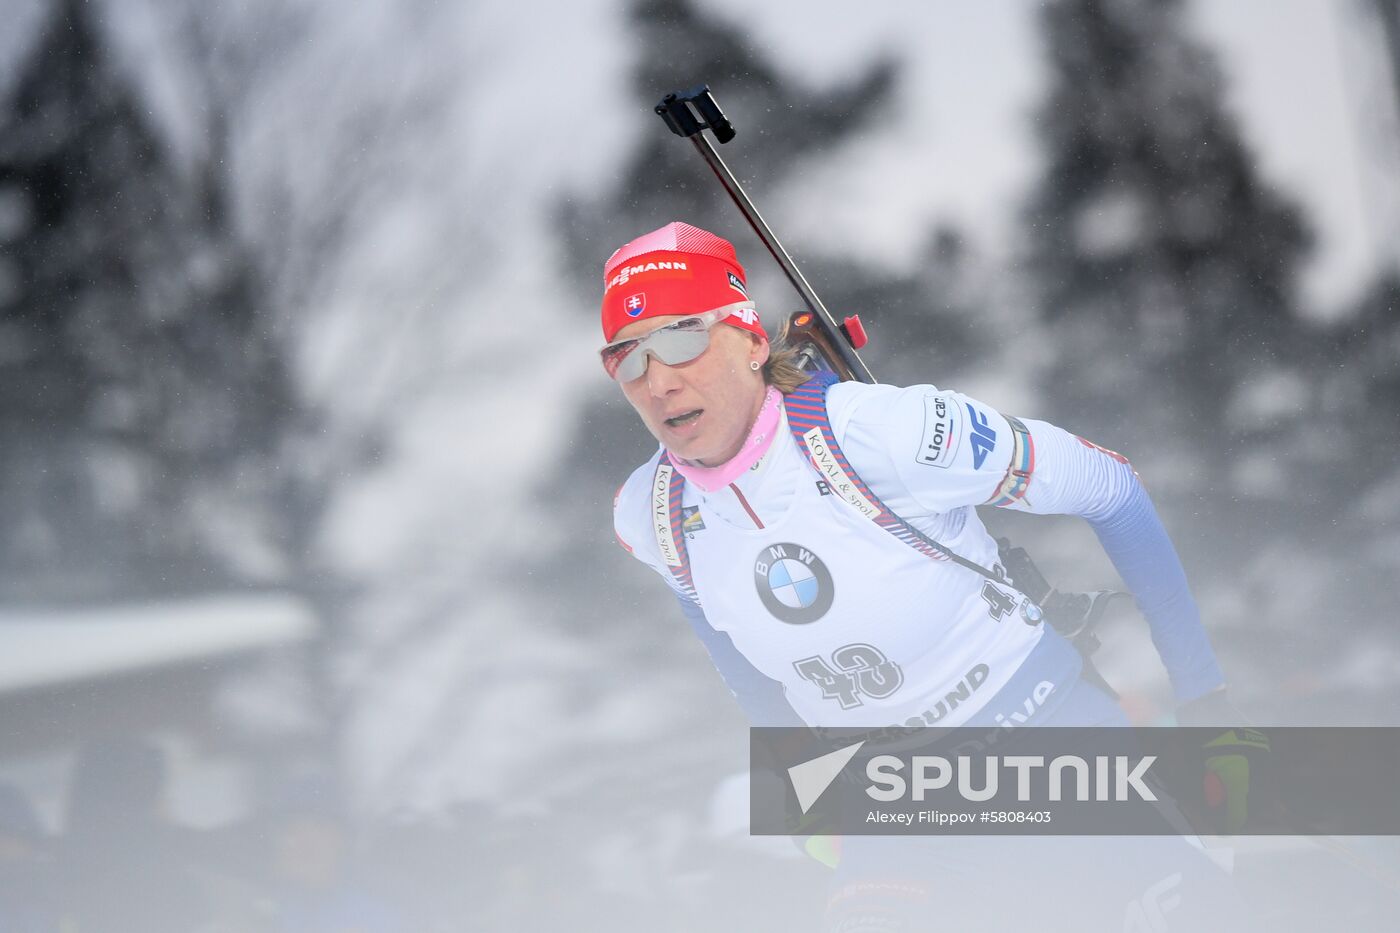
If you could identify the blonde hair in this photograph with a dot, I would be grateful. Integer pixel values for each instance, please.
(783, 369)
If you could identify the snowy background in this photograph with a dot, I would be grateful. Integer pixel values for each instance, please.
(298, 310)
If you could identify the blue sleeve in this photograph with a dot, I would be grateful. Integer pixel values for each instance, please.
(759, 696)
(1133, 537)
(1072, 476)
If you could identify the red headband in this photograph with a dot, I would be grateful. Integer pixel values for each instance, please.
(678, 269)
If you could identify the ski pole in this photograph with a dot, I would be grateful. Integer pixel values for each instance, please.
(833, 345)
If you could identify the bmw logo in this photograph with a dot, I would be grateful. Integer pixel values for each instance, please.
(793, 583)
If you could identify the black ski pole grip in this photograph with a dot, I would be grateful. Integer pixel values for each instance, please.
(675, 109)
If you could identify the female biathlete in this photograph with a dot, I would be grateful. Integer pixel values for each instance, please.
(791, 517)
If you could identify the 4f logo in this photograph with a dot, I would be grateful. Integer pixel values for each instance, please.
(747, 315)
(635, 304)
(984, 437)
(1148, 914)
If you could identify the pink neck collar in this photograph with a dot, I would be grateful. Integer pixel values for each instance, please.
(711, 479)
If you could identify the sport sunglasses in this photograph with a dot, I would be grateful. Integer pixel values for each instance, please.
(678, 342)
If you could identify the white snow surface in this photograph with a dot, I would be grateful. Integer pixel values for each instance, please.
(49, 647)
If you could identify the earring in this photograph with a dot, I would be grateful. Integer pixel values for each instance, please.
(755, 365)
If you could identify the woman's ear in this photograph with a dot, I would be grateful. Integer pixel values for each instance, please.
(763, 349)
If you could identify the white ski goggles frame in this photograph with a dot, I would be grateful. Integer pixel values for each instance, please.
(673, 344)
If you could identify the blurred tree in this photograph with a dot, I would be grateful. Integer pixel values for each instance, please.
(1166, 270)
(1166, 267)
(919, 322)
(1388, 13)
(1356, 419)
(1372, 63)
(142, 398)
